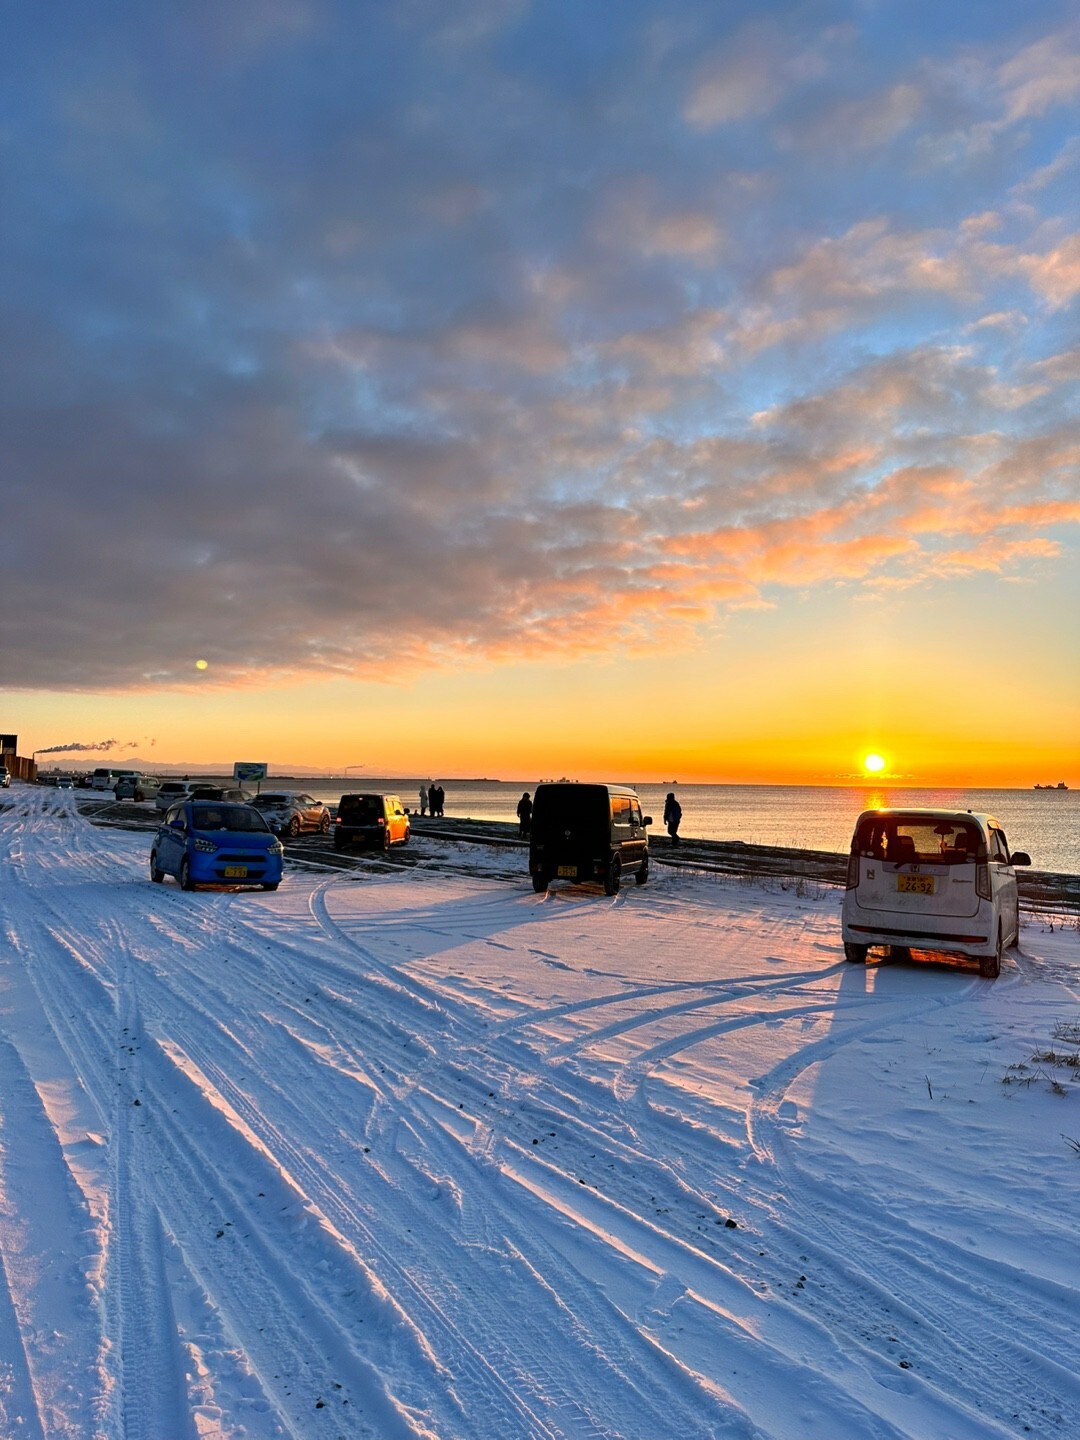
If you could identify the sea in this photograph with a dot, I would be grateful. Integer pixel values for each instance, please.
(1045, 823)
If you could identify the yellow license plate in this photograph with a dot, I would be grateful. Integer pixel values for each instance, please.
(915, 884)
(235, 872)
(567, 872)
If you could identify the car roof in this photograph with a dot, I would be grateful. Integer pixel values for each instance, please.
(927, 812)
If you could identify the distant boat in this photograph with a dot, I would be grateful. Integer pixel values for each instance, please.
(1059, 786)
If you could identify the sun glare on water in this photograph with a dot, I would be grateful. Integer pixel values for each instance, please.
(873, 764)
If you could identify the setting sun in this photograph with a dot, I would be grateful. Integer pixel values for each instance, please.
(874, 764)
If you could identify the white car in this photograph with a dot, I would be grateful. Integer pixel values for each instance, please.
(940, 880)
(170, 792)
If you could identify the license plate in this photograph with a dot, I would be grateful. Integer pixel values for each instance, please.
(235, 872)
(915, 884)
(567, 872)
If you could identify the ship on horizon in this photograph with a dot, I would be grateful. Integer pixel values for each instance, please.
(1059, 786)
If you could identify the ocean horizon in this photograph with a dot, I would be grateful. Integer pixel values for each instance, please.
(1045, 823)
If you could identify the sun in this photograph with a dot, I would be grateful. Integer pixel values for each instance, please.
(873, 764)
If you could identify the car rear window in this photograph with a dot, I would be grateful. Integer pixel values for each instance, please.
(266, 802)
(562, 807)
(226, 817)
(923, 839)
(361, 809)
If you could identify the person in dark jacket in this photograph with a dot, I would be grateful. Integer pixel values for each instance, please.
(433, 799)
(524, 814)
(672, 816)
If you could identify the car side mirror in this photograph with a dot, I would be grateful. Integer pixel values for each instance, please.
(176, 824)
(1021, 857)
(646, 820)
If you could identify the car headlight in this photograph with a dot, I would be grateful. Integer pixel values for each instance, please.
(206, 846)
(277, 848)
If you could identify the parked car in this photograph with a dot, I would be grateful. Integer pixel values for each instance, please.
(220, 792)
(587, 832)
(170, 792)
(5, 777)
(202, 842)
(288, 812)
(370, 819)
(65, 782)
(136, 787)
(939, 880)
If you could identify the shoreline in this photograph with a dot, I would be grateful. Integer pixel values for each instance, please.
(1041, 891)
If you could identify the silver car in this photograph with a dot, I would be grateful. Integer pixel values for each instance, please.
(939, 880)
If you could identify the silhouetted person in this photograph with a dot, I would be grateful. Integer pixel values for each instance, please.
(440, 798)
(524, 814)
(433, 799)
(423, 800)
(672, 816)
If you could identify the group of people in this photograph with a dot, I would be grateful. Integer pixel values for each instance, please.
(433, 798)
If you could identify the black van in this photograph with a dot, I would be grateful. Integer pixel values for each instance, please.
(587, 832)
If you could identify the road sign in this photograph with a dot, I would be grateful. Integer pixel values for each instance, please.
(248, 770)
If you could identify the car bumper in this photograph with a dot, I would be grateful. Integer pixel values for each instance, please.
(973, 935)
(260, 868)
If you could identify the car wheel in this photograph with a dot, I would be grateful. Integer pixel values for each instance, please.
(990, 965)
(271, 885)
(613, 878)
(186, 882)
(407, 836)
(540, 883)
(855, 954)
(339, 844)
(156, 875)
(386, 839)
(294, 826)
(642, 874)
(324, 824)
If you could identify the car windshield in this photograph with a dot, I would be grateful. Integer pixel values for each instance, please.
(919, 839)
(361, 809)
(269, 802)
(226, 817)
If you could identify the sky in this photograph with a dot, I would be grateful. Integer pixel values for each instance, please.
(568, 388)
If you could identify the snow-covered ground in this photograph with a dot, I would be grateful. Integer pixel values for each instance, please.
(402, 1154)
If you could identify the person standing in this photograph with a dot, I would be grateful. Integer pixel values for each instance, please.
(423, 799)
(524, 814)
(672, 816)
(440, 797)
(433, 799)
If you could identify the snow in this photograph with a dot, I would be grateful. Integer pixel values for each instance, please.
(420, 1153)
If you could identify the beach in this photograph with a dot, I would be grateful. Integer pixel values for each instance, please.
(416, 1152)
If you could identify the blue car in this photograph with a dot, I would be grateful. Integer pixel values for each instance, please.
(203, 842)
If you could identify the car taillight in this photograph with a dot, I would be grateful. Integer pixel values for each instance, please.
(382, 819)
(982, 881)
(337, 819)
(852, 872)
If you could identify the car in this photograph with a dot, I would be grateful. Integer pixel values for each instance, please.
(220, 792)
(136, 787)
(288, 812)
(938, 880)
(204, 842)
(5, 777)
(65, 782)
(170, 792)
(370, 819)
(587, 832)
(49, 780)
